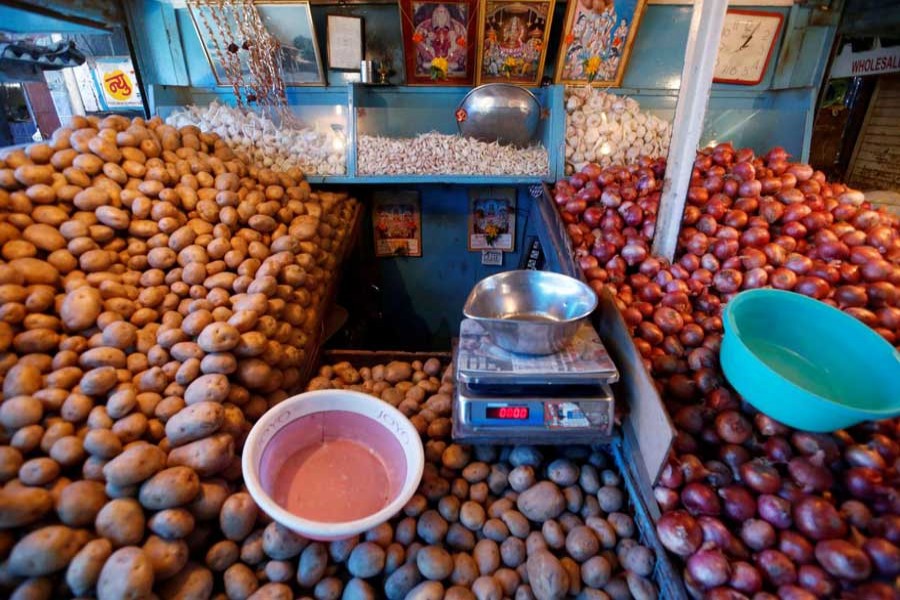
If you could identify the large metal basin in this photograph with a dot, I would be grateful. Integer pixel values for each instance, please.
(530, 312)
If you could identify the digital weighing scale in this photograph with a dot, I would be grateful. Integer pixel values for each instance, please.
(502, 397)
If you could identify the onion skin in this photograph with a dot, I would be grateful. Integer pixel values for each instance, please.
(738, 503)
(884, 555)
(679, 533)
(776, 567)
(815, 580)
(745, 578)
(775, 510)
(842, 559)
(795, 546)
(709, 568)
(818, 519)
(700, 499)
(760, 476)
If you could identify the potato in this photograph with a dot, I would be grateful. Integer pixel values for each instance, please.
(281, 543)
(83, 572)
(401, 582)
(541, 502)
(20, 411)
(487, 588)
(581, 543)
(39, 471)
(195, 422)
(207, 388)
(465, 570)
(210, 500)
(79, 502)
(193, 582)
(366, 560)
(312, 565)
(238, 515)
(432, 527)
(172, 523)
(121, 521)
(169, 488)
(167, 557)
(207, 456)
(434, 563)
(135, 464)
(128, 573)
(546, 576)
(273, 591)
(225, 553)
(487, 556)
(240, 582)
(45, 550)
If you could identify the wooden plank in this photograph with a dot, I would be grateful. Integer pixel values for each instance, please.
(693, 97)
(863, 128)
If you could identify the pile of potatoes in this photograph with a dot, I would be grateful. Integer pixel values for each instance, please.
(157, 295)
(487, 522)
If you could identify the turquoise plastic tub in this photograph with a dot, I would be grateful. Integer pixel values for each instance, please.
(807, 364)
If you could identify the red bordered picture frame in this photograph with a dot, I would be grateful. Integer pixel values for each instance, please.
(778, 30)
(419, 38)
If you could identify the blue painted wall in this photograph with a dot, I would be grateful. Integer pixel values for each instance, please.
(422, 297)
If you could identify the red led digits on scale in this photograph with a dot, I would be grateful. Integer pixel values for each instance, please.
(517, 413)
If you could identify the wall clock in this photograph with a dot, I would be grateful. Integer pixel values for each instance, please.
(746, 46)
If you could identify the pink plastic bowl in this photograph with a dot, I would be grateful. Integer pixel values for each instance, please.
(308, 418)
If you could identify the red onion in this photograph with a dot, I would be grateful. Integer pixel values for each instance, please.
(862, 456)
(760, 476)
(810, 476)
(775, 510)
(679, 533)
(738, 503)
(758, 534)
(874, 590)
(777, 449)
(863, 482)
(734, 456)
(795, 546)
(885, 446)
(776, 567)
(884, 555)
(733, 427)
(666, 498)
(794, 592)
(700, 499)
(818, 519)
(745, 578)
(844, 560)
(816, 581)
(709, 568)
(767, 426)
(715, 533)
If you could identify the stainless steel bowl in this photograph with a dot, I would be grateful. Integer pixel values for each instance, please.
(530, 312)
(500, 112)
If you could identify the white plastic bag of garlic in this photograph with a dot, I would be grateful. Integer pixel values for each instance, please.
(607, 129)
(438, 154)
(317, 150)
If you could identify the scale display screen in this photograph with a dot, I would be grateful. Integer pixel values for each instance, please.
(505, 412)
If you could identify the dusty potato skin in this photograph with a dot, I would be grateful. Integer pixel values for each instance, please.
(46, 550)
(84, 570)
(127, 573)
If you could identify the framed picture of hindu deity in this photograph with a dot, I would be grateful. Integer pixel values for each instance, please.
(492, 219)
(439, 41)
(397, 223)
(596, 41)
(512, 40)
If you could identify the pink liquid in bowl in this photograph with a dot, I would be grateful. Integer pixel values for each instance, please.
(333, 467)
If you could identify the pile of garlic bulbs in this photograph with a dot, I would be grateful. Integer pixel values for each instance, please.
(439, 154)
(607, 129)
(258, 140)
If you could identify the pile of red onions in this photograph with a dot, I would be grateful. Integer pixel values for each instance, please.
(755, 508)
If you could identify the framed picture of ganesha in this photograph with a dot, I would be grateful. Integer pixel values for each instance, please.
(596, 41)
(439, 41)
(512, 40)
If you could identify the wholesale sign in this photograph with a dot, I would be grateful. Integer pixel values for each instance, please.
(869, 62)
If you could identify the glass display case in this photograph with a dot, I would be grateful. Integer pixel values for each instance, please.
(410, 134)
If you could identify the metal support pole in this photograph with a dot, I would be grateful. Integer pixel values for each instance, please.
(693, 96)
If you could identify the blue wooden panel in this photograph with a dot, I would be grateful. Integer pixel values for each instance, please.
(18, 20)
(424, 296)
(157, 43)
(657, 56)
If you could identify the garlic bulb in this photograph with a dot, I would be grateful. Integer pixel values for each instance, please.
(315, 150)
(609, 129)
(437, 154)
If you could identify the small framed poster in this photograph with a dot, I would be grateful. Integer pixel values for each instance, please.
(492, 258)
(439, 41)
(345, 42)
(397, 223)
(597, 37)
(492, 219)
(512, 41)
